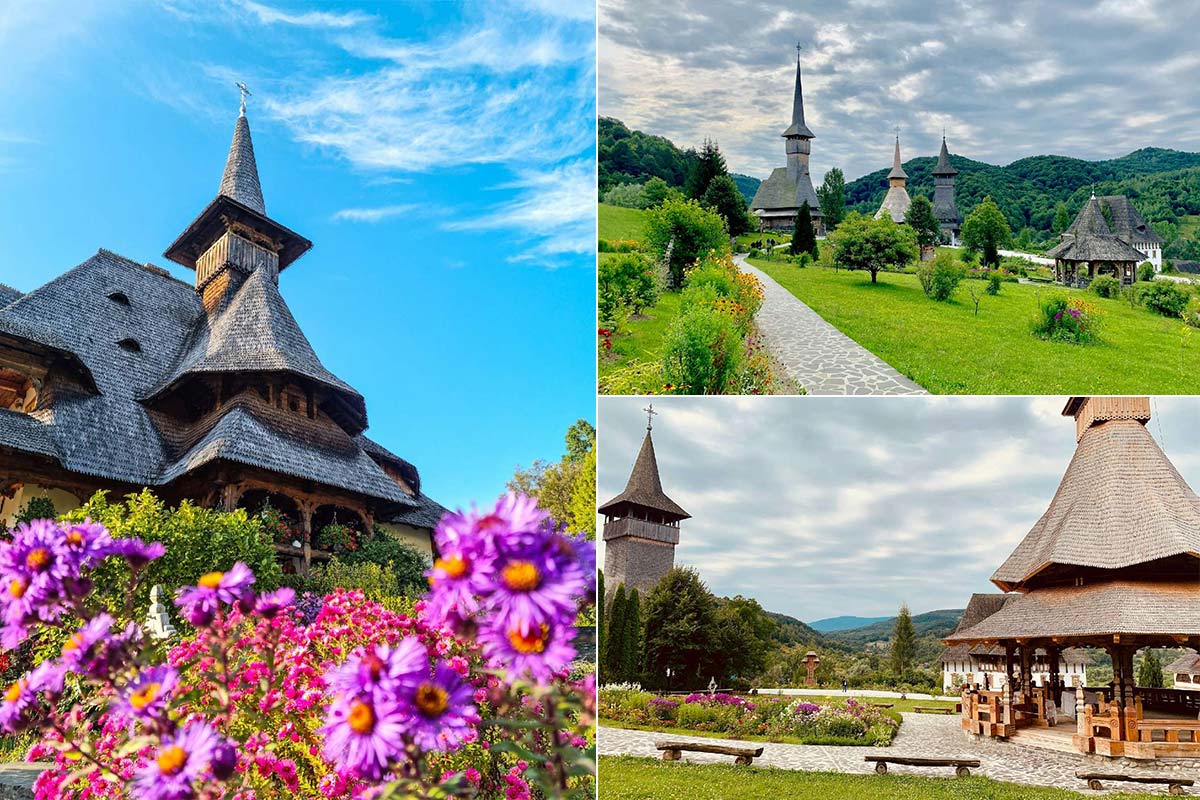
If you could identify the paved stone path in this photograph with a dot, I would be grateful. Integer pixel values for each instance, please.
(920, 735)
(817, 355)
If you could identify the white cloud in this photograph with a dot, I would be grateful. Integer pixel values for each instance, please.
(269, 15)
(372, 214)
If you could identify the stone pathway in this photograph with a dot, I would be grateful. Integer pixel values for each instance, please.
(817, 355)
(920, 735)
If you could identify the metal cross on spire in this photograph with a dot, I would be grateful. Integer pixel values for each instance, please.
(897, 132)
(650, 415)
(245, 93)
(799, 47)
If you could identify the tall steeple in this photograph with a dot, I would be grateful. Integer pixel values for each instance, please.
(798, 128)
(798, 146)
(641, 526)
(233, 237)
(896, 201)
(944, 207)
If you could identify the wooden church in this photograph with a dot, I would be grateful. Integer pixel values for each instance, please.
(116, 376)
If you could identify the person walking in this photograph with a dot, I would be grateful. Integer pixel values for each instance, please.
(845, 685)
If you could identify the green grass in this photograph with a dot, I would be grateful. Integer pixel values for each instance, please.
(642, 339)
(744, 241)
(621, 223)
(948, 350)
(629, 778)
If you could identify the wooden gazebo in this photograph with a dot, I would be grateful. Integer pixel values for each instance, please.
(1113, 563)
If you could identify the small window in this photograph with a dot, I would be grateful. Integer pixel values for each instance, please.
(119, 298)
(293, 403)
(130, 345)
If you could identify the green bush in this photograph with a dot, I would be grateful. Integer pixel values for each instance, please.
(406, 564)
(756, 253)
(1191, 314)
(1063, 319)
(688, 230)
(703, 349)
(994, 283)
(1106, 286)
(1145, 271)
(940, 277)
(36, 508)
(1164, 297)
(626, 195)
(198, 541)
(803, 260)
(629, 280)
(375, 581)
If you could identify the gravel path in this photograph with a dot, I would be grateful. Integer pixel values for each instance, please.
(817, 355)
(920, 735)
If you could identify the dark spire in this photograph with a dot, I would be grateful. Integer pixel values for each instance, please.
(798, 128)
(644, 488)
(240, 181)
(897, 170)
(943, 165)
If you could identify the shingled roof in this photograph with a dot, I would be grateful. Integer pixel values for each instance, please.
(944, 167)
(8, 294)
(798, 128)
(779, 192)
(1120, 503)
(1188, 663)
(1127, 222)
(644, 488)
(1089, 238)
(1098, 610)
(980, 607)
(240, 179)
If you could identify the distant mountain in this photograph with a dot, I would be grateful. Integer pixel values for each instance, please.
(790, 630)
(933, 623)
(844, 623)
(1028, 190)
(746, 185)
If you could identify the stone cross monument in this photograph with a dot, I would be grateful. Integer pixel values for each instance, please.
(811, 660)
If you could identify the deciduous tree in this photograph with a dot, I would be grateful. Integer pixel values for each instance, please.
(832, 194)
(986, 231)
(923, 223)
(862, 242)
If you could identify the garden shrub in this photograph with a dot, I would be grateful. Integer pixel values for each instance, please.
(1145, 271)
(374, 581)
(1106, 286)
(337, 538)
(994, 282)
(198, 541)
(626, 195)
(803, 260)
(404, 562)
(940, 277)
(688, 230)
(702, 351)
(756, 253)
(36, 508)
(628, 280)
(1063, 319)
(1191, 314)
(1164, 297)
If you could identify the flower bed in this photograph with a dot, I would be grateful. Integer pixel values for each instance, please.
(844, 722)
(465, 692)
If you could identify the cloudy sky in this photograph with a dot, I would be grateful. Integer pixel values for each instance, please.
(1007, 80)
(818, 507)
(440, 156)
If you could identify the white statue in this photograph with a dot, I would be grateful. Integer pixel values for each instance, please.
(158, 623)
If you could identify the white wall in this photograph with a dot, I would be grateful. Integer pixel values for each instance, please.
(9, 508)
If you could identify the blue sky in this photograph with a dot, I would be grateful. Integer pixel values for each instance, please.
(439, 155)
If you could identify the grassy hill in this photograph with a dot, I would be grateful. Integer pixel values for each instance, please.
(790, 630)
(844, 623)
(932, 623)
(621, 223)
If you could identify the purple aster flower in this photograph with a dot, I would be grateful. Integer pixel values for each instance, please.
(36, 570)
(182, 758)
(380, 671)
(441, 713)
(224, 760)
(538, 653)
(270, 604)
(363, 734)
(135, 551)
(201, 602)
(537, 579)
(145, 697)
(88, 541)
(85, 650)
(20, 696)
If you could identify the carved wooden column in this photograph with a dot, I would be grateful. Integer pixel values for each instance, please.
(306, 509)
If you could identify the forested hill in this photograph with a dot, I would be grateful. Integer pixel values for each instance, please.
(628, 156)
(1164, 185)
(934, 623)
(789, 630)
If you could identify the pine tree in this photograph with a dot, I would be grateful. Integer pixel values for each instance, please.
(709, 164)
(924, 224)
(1062, 219)
(904, 642)
(614, 642)
(832, 195)
(631, 656)
(601, 617)
(1150, 674)
(804, 239)
(723, 197)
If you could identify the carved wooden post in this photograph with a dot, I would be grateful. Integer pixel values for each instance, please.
(306, 513)
(1082, 712)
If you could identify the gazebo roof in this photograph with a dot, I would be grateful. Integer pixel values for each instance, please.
(645, 488)
(1097, 611)
(1120, 504)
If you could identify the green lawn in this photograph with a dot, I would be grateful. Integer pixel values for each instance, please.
(642, 339)
(948, 350)
(628, 778)
(621, 223)
(746, 239)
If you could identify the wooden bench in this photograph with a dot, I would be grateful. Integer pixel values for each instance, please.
(881, 705)
(962, 766)
(1174, 785)
(933, 710)
(673, 751)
